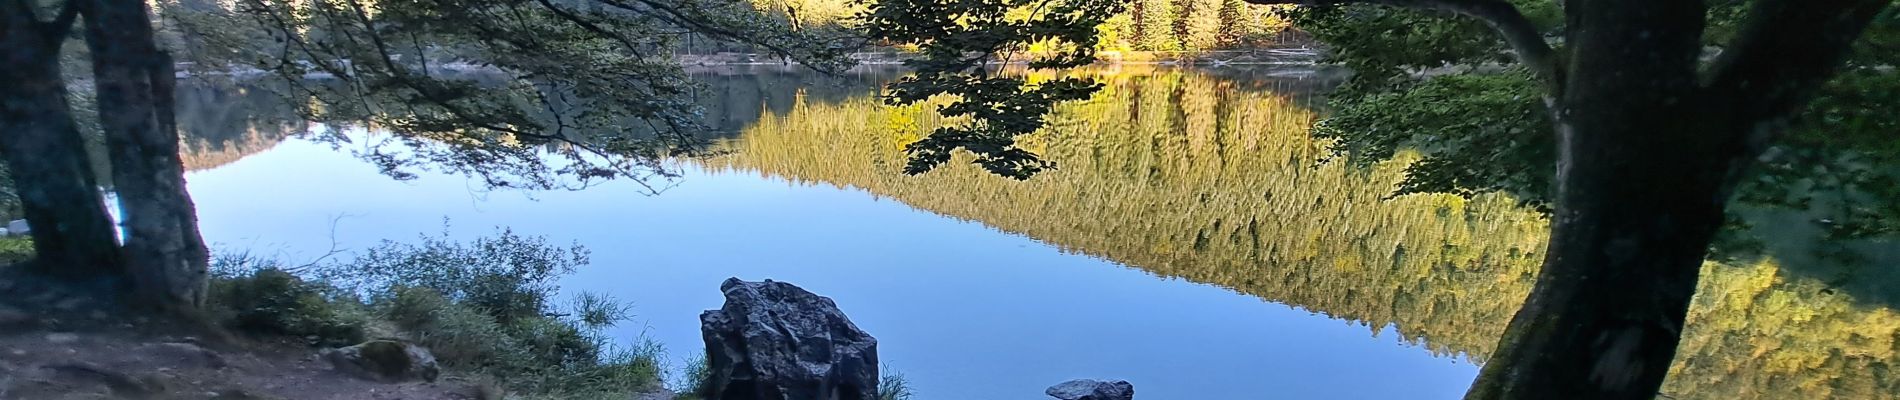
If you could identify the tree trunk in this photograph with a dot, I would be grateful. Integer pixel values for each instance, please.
(165, 255)
(59, 193)
(1641, 191)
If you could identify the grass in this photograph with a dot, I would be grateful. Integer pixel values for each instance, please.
(484, 308)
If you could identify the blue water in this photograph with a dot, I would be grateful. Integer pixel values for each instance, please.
(962, 310)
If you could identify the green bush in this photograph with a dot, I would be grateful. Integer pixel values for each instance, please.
(459, 337)
(486, 306)
(695, 379)
(482, 307)
(275, 302)
(506, 276)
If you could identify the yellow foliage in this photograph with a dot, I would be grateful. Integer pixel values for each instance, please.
(1188, 176)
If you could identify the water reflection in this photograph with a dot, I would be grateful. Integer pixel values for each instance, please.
(1210, 179)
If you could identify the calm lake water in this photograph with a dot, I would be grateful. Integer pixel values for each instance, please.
(1189, 242)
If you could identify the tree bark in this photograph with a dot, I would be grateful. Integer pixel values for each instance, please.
(1641, 190)
(166, 257)
(59, 193)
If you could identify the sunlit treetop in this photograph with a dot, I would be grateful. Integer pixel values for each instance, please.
(960, 41)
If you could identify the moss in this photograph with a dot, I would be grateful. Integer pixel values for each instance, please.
(15, 249)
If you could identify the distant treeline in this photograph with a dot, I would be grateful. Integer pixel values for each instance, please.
(1146, 25)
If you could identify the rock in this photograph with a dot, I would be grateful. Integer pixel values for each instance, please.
(775, 341)
(1090, 389)
(184, 354)
(384, 360)
(18, 227)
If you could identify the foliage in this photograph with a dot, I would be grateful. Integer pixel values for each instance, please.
(1384, 46)
(481, 307)
(15, 249)
(1475, 133)
(695, 380)
(956, 38)
(893, 386)
(1205, 180)
(505, 275)
(270, 301)
(1483, 128)
(1191, 25)
(522, 93)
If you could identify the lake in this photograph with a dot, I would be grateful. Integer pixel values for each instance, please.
(1190, 241)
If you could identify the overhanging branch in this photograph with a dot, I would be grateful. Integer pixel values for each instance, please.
(1786, 49)
(1523, 36)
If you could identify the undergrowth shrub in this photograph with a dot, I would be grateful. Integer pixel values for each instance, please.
(482, 307)
(263, 299)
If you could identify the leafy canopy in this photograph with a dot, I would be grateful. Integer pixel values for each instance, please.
(488, 88)
(958, 39)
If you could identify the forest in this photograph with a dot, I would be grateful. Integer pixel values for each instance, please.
(1182, 161)
(1578, 192)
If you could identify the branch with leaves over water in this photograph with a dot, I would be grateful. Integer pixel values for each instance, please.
(536, 94)
(1525, 39)
(960, 40)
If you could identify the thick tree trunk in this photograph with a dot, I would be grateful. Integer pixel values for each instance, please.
(1627, 244)
(1641, 190)
(72, 233)
(165, 255)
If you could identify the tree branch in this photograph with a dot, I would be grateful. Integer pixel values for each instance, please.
(1786, 50)
(689, 19)
(1523, 36)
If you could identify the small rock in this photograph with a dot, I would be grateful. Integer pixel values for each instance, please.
(19, 227)
(1089, 389)
(62, 337)
(384, 360)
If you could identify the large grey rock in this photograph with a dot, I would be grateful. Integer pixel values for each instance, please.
(1090, 389)
(775, 341)
(385, 360)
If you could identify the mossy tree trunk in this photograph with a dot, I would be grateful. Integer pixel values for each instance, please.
(59, 193)
(165, 256)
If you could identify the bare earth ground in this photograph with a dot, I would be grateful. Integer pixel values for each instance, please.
(56, 342)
